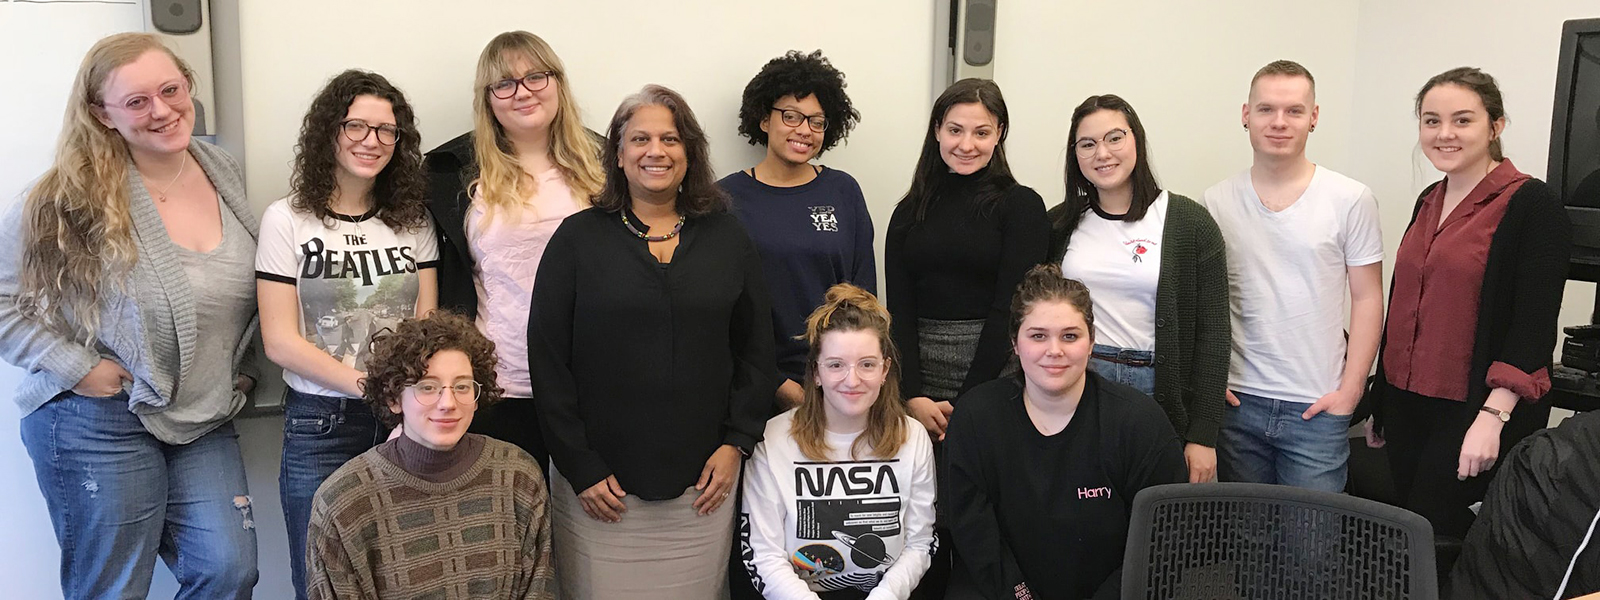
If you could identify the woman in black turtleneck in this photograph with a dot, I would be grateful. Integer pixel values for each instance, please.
(958, 244)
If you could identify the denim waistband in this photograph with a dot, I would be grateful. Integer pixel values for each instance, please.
(1124, 356)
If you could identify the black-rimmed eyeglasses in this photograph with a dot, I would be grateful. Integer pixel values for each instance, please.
(357, 130)
(535, 81)
(794, 118)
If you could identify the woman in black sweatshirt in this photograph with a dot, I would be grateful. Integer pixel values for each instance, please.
(1042, 469)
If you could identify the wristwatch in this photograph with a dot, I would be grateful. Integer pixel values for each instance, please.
(1503, 415)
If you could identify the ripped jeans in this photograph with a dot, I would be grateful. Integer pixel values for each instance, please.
(118, 498)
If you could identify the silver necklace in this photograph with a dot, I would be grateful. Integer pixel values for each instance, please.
(162, 196)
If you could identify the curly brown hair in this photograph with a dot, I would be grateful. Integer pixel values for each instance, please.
(400, 359)
(400, 193)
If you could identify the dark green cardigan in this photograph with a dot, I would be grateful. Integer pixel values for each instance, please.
(1193, 333)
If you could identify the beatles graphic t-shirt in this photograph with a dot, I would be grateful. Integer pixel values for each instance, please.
(354, 275)
(818, 526)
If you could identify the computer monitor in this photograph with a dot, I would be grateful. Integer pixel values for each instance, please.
(1574, 169)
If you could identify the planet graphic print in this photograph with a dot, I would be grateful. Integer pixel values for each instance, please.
(819, 559)
(867, 551)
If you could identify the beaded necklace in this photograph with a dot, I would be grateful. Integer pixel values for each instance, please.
(652, 238)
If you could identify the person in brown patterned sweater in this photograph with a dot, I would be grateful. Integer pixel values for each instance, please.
(435, 512)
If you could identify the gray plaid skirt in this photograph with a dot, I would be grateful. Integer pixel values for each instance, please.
(946, 349)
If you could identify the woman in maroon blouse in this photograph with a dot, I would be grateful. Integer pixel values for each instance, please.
(1472, 307)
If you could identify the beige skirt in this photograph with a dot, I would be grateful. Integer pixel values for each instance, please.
(659, 551)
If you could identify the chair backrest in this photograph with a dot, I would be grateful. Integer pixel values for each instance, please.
(1223, 541)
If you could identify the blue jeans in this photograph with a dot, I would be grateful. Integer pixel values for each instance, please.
(1141, 377)
(118, 498)
(320, 434)
(1265, 441)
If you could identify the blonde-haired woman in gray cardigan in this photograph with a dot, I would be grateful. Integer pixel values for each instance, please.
(135, 241)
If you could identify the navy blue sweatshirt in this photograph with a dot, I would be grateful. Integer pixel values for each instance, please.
(810, 237)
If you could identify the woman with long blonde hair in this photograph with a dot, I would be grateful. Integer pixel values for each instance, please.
(136, 240)
(497, 195)
(848, 465)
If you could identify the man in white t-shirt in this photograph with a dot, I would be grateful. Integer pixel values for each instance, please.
(1298, 236)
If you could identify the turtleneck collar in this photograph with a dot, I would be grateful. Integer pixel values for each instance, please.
(433, 466)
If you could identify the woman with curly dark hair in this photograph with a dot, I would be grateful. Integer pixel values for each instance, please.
(350, 252)
(486, 529)
(650, 344)
(809, 222)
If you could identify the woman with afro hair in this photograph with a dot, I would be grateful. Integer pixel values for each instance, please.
(348, 253)
(809, 222)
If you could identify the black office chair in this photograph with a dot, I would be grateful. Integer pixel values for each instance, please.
(1225, 541)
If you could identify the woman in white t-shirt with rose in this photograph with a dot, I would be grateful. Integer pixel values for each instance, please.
(838, 498)
(1156, 265)
(348, 253)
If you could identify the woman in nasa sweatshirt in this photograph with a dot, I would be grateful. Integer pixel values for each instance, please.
(838, 499)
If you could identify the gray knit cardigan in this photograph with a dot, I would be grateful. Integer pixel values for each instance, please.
(148, 325)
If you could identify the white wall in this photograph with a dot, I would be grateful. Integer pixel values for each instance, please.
(705, 50)
(1184, 66)
(1405, 43)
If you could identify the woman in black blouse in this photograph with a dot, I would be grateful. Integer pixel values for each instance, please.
(650, 344)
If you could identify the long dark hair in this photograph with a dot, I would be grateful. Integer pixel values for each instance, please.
(1480, 83)
(996, 178)
(400, 192)
(699, 195)
(1081, 194)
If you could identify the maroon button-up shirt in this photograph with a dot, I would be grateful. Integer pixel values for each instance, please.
(1438, 278)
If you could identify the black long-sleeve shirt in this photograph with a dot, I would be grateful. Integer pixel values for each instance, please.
(961, 262)
(1049, 514)
(642, 369)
